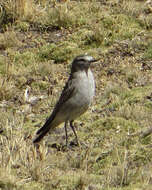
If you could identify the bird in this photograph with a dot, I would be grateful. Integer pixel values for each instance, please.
(75, 99)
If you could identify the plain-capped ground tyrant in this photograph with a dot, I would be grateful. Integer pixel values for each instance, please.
(75, 98)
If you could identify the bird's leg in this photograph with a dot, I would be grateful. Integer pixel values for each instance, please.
(66, 133)
(72, 127)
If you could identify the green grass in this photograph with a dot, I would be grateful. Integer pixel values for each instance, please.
(37, 45)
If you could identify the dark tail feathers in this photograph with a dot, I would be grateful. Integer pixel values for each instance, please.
(43, 130)
(41, 134)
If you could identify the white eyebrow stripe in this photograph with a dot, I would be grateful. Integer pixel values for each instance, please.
(86, 58)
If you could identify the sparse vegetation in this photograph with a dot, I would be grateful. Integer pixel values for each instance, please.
(38, 40)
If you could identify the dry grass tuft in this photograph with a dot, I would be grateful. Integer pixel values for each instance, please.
(8, 40)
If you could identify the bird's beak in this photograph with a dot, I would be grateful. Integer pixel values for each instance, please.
(94, 61)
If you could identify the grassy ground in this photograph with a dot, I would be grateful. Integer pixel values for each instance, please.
(38, 41)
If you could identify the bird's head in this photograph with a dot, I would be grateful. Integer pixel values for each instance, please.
(82, 62)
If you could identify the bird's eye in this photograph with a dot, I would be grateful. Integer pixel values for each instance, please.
(81, 59)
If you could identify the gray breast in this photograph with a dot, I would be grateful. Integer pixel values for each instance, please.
(82, 97)
(85, 93)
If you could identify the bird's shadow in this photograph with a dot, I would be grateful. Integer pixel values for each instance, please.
(72, 145)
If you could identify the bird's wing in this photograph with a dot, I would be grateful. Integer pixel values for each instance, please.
(66, 94)
(68, 91)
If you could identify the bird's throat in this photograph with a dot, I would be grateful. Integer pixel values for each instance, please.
(86, 71)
